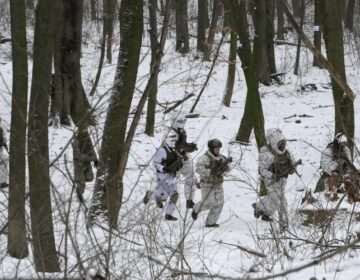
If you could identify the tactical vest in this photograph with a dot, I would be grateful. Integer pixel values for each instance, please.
(173, 160)
(212, 164)
(282, 163)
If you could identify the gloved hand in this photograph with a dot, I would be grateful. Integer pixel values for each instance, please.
(192, 147)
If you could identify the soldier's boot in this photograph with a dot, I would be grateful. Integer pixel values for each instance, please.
(194, 215)
(159, 202)
(257, 211)
(189, 204)
(4, 185)
(212, 225)
(169, 217)
(146, 198)
(266, 218)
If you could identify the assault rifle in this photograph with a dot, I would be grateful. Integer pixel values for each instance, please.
(219, 167)
(352, 166)
(283, 173)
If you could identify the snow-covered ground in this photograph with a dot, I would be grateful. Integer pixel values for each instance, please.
(148, 247)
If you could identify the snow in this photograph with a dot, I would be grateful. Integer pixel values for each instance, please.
(145, 246)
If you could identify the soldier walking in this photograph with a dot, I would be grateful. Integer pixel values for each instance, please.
(167, 162)
(212, 167)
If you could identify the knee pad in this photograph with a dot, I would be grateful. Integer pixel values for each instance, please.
(174, 197)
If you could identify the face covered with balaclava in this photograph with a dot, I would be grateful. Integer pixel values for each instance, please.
(178, 120)
(171, 139)
(276, 140)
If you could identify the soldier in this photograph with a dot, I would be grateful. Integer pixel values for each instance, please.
(184, 148)
(335, 163)
(3, 160)
(275, 164)
(211, 166)
(167, 162)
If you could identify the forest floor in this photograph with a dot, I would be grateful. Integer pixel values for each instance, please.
(148, 247)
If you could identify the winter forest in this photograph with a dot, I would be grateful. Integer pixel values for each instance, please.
(179, 139)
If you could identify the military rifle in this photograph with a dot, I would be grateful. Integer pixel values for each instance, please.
(285, 172)
(218, 169)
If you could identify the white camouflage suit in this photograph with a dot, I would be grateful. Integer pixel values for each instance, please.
(187, 171)
(212, 192)
(166, 183)
(3, 156)
(329, 164)
(275, 199)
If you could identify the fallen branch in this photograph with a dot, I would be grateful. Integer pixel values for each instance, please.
(4, 40)
(250, 251)
(178, 103)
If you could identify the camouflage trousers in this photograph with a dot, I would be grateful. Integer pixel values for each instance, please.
(275, 201)
(187, 172)
(212, 199)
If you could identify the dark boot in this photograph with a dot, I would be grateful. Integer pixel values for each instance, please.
(189, 204)
(257, 213)
(4, 185)
(266, 218)
(159, 203)
(168, 217)
(146, 198)
(212, 225)
(194, 215)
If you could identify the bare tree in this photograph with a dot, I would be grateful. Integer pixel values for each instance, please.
(201, 24)
(45, 256)
(182, 29)
(349, 17)
(217, 8)
(317, 31)
(17, 243)
(109, 187)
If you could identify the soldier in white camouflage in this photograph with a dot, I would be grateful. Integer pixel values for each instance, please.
(167, 162)
(212, 166)
(276, 163)
(184, 148)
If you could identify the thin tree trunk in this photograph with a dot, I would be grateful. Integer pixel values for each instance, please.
(231, 70)
(108, 186)
(297, 60)
(182, 31)
(213, 26)
(151, 105)
(349, 18)
(317, 32)
(333, 37)
(280, 21)
(109, 17)
(17, 243)
(93, 9)
(296, 5)
(201, 24)
(45, 256)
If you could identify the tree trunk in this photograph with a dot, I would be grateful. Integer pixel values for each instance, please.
(349, 18)
(17, 243)
(201, 24)
(317, 32)
(108, 187)
(333, 37)
(213, 26)
(270, 51)
(296, 5)
(45, 256)
(93, 9)
(297, 60)
(231, 70)
(151, 105)
(70, 96)
(182, 31)
(109, 8)
(250, 63)
(280, 21)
